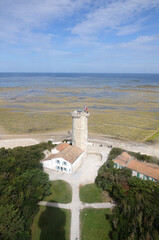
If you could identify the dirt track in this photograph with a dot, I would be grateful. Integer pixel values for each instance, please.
(30, 139)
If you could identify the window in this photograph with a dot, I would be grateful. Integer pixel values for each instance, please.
(64, 163)
(116, 166)
(57, 167)
(65, 169)
(138, 175)
(57, 161)
(147, 177)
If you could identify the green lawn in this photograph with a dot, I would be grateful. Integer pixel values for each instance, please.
(51, 224)
(61, 192)
(90, 193)
(94, 225)
(154, 137)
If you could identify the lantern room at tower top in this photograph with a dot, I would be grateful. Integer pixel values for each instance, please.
(80, 128)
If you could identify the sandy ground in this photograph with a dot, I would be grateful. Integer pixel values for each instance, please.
(18, 142)
(38, 136)
(11, 141)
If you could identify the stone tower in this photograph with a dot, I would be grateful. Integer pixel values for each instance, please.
(80, 129)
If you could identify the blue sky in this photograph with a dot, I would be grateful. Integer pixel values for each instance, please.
(113, 36)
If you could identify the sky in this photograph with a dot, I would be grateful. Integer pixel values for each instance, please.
(102, 36)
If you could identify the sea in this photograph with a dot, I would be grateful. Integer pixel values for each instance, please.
(79, 85)
(93, 80)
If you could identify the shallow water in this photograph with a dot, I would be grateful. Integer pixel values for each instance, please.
(51, 80)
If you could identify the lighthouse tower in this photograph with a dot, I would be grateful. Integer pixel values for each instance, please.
(80, 128)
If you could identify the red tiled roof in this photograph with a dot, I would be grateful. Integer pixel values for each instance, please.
(131, 162)
(49, 157)
(67, 152)
(122, 159)
(145, 168)
(62, 146)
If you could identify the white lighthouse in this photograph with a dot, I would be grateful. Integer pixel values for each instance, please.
(80, 128)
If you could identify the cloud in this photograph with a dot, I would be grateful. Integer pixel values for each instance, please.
(20, 17)
(121, 13)
(33, 12)
(141, 42)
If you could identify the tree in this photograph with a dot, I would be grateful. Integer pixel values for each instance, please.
(11, 224)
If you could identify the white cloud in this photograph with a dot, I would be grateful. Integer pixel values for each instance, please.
(114, 15)
(20, 16)
(141, 42)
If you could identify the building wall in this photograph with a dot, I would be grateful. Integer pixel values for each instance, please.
(136, 174)
(78, 162)
(48, 164)
(58, 165)
(80, 129)
(62, 165)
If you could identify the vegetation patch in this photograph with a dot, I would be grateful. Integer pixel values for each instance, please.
(22, 185)
(136, 213)
(51, 223)
(30, 122)
(90, 193)
(94, 224)
(61, 192)
(141, 157)
(134, 116)
(154, 138)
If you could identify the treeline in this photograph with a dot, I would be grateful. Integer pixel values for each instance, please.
(141, 157)
(22, 185)
(136, 215)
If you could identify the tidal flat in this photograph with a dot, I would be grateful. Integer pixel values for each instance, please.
(124, 113)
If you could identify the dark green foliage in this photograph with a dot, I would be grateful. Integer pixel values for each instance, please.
(113, 179)
(22, 185)
(114, 153)
(141, 157)
(110, 164)
(11, 223)
(136, 216)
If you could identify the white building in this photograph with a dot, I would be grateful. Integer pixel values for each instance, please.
(65, 158)
(140, 169)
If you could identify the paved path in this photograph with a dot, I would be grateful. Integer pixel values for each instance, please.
(81, 205)
(75, 206)
(87, 173)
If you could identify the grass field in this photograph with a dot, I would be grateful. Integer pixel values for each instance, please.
(61, 192)
(90, 193)
(51, 223)
(154, 138)
(129, 114)
(94, 225)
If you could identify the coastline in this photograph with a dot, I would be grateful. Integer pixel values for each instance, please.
(127, 107)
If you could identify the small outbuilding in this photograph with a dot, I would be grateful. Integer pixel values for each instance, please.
(64, 158)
